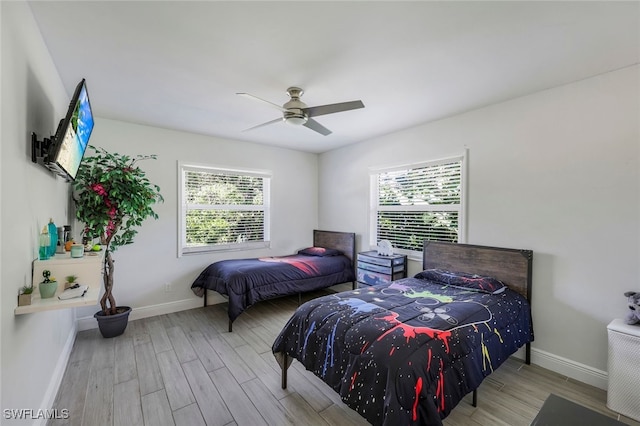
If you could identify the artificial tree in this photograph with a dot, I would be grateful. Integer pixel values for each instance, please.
(112, 198)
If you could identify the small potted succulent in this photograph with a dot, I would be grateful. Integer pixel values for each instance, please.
(24, 297)
(48, 286)
(71, 280)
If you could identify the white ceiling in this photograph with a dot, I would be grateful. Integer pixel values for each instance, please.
(178, 64)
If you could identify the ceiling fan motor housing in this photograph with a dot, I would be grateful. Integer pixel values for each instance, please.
(294, 114)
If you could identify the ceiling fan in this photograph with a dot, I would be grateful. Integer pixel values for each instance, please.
(298, 113)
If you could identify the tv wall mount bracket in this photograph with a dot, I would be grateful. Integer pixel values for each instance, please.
(40, 149)
(41, 153)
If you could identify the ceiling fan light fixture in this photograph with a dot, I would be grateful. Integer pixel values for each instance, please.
(295, 119)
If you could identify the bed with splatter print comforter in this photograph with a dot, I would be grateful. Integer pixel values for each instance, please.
(406, 353)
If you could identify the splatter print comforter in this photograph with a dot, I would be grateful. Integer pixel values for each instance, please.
(406, 353)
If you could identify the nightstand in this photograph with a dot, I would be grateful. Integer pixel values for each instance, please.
(375, 269)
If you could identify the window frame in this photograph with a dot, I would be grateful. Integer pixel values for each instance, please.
(183, 208)
(461, 209)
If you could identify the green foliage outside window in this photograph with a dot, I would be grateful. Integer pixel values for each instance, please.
(223, 208)
(418, 204)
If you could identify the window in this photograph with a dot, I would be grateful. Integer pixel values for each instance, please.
(410, 204)
(222, 209)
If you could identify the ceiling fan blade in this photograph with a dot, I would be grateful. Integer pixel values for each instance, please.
(263, 124)
(331, 108)
(317, 127)
(255, 98)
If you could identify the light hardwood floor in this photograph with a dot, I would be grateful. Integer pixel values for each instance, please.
(186, 369)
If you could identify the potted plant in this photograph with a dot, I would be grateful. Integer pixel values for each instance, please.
(112, 198)
(24, 297)
(71, 280)
(48, 286)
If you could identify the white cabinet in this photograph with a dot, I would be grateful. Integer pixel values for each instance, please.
(88, 269)
(624, 375)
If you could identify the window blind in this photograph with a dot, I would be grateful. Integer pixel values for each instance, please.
(224, 209)
(415, 203)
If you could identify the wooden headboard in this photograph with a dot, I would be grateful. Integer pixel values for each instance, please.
(343, 241)
(511, 266)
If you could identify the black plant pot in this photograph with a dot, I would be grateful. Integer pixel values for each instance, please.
(113, 325)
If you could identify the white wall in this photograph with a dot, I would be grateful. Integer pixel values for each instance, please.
(33, 347)
(555, 172)
(143, 268)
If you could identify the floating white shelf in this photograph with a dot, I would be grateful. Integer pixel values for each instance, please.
(88, 269)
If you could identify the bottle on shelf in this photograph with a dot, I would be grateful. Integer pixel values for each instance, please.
(53, 237)
(60, 245)
(45, 244)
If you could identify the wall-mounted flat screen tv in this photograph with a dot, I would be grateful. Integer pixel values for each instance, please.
(73, 134)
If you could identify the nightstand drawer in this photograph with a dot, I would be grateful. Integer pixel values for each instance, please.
(375, 278)
(376, 259)
(378, 268)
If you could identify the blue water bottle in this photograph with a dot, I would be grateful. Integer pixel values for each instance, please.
(53, 238)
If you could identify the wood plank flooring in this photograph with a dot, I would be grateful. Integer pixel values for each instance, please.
(186, 369)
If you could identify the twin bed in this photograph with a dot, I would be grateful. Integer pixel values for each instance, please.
(407, 352)
(328, 262)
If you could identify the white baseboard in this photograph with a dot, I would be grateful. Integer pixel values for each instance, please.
(569, 368)
(58, 374)
(87, 323)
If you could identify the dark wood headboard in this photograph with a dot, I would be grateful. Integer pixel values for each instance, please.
(343, 241)
(511, 266)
